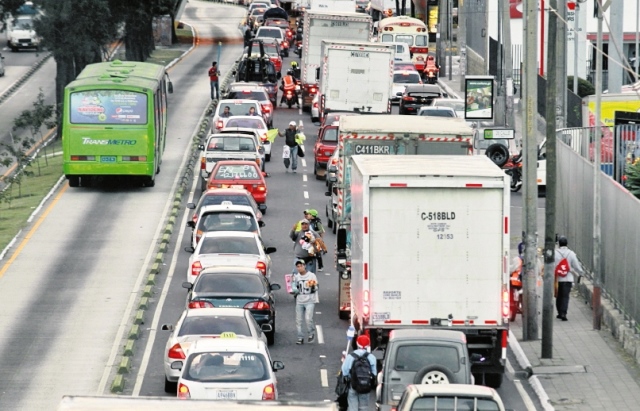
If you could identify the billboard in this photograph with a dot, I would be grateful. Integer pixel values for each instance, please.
(478, 96)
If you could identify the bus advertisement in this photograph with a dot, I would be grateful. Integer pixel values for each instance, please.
(409, 30)
(115, 122)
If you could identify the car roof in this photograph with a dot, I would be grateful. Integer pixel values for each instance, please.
(248, 117)
(447, 100)
(236, 162)
(231, 269)
(407, 72)
(225, 191)
(267, 39)
(229, 233)
(215, 311)
(454, 389)
(225, 207)
(241, 130)
(424, 87)
(436, 108)
(419, 334)
(245, 135)
(245, 84)
(228, 344)
(234, 101)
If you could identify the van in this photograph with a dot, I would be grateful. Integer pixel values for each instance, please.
(402, 52)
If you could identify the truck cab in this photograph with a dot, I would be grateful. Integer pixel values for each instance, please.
(326, 144)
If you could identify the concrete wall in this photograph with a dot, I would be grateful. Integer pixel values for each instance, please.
(476, 65)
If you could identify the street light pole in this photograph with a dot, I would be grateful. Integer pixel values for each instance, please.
(597, 288)
(575, 49)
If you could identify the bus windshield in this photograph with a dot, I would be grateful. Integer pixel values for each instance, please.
(108, 107)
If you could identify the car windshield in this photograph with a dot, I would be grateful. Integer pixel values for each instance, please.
(415, 357)
(449, 403)
(455, 105)
(231, 144)
(258, 12)
(214, 325)
(237, 172)
(406, 78)
(23, 23)
(258, 95)
(437, 113)
(273, 33)
(330, 134)
(230, 284)
(246, 123)
(234, 367)
(229, 245)
(237, 109)
(269, 48)
(226, 221)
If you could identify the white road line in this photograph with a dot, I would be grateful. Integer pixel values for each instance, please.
(324, 378)
(323, 356)
(525, 397)
(510, 369)
(306, 195)
(304, 163)
(320, 334)
(304, 177)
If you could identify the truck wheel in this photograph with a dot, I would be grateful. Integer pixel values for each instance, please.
(434, 374)
(335, 226)
(170, 387)
(493, 380)
(344, 315)
(498, 153)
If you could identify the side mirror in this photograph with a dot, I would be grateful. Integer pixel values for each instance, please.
(201, 147)
(262, 207)
(191, 206)
(187, 285)
(191, 224)
(267, 328)
(278, 75)
(327, 193)
(233, 73)
(169, 87)
(277, 365)
(167, 327)
(177, 365)
(341, 240)
(270, 250)
(275, 287)
(189, 249)
(260, 223)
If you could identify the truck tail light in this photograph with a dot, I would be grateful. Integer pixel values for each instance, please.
(196, 268)
(315, 105)
(183, 392)
(176, 353)
(366, 296)
(365, 310)
(262, 267)
(199, 235)
(203, 163)
(200, 304)
(505, 301)
(269, 393)
(257, 305)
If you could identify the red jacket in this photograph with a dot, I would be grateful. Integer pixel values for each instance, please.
(213, 73)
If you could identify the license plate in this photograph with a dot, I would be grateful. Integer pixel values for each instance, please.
(108, 159)
(226, 395)
(237, 186)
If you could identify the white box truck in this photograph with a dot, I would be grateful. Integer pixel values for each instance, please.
(356, 76)
(325, 25)
(333, 5)
(384, 135)
(430, 238)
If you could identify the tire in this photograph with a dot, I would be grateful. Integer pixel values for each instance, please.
(434, 374)
(203, 185)
(513, 308)
(335, 227)
(344, 315)
(271, 336)
(149, 182)
(498, 153)
(493, 380)
(267, 157)
(74, 181)
(170, 387)
(289, 103)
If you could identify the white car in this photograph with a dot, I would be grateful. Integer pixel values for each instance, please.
(229, 248)
(195, 324)
(229, 369)
(224, 217)
(430, 111)
(261, 139)
(274, 33)
(239, 107)
(228, 146)
(457, 104)
(401, 78)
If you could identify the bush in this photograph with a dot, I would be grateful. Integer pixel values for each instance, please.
(585, 88)
(633, 178)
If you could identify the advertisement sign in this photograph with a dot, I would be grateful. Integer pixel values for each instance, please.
(108, 107)
(478, 93)
(499, 134)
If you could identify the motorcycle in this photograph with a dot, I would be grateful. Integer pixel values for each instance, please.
(291, 97)
(431, 76)
(513, 168)
(515, 295)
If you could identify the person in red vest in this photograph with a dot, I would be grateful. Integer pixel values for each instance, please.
(431, 67)
(213, 78)
(289, 84)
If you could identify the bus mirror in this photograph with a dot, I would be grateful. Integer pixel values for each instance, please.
(170, 87)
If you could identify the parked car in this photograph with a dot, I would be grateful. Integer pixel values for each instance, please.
(449, 397)
(237, 196)
(205, 323)
(416, 96)
(235, 287)
(228, 369)
(401, 79)
(224, 217)
(237, 107)
(240, 174)
(437, 112)
(326, 144)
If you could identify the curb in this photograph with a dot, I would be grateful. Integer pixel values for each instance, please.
(18, 83)
(448, 89)
(541, 393)
(522, 359)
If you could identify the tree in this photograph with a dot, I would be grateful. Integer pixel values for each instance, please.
(7, 9)
(633, 177)
(33, 120)
(585, 88)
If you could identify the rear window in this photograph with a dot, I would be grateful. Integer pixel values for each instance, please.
(214, 325)
(231, 144)
(330, 134)
(233, 283)
(238, 109)
(258, 95)
(229, 245)
(273, 33)
(239, 171)
(456, 105)
(415, 357)
(226, 221)
(437, 113)
(245, 123)
(406, 78)
(230, 367)
(217, 199)
(454, 404)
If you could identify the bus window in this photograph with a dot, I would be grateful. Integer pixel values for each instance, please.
(404, 38)
(387, 38)
(421, 41)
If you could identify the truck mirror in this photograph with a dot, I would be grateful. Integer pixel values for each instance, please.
(318, 74)
(341, 239)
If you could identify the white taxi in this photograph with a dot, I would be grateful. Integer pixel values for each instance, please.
(228, 368)
(224, 217)
(195, 324)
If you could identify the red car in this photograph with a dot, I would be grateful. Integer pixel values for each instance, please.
(240, 174)
(326, 144)
(330, 118)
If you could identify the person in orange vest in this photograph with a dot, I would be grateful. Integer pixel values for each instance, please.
(213, 78)
(432, 67)
(289, 84)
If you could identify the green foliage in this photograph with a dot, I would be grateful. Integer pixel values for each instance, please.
(7, 9)
(633, 178)
(585, 88)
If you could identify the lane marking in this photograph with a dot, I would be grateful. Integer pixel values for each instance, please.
(323, 356)
(31, 232)
(304, 177)
(510, 369)
(306, 195)
(525, 397)
(320, 335)
(303, 161)
(324, 378)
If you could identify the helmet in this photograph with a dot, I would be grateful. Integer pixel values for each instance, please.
(294, 64)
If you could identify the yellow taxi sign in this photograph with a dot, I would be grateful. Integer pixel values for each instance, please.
(228, 334)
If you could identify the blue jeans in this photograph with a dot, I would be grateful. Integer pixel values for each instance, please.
(214, 86)
(310, 265)
(305, 311)
(294, 159)
(358, 402)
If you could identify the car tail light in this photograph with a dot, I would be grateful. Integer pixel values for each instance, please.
(257, 305)
(183, 392)
(266, 107)
(196, 267)
(408, 98)
(200, 304)
(315, 105)
(262, 267)
(210, 185)
(176, 353)
(203, 163)
(259, 187)
(198, 235)
(219, 124)
(269, 393)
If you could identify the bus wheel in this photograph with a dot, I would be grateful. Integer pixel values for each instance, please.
(150, 182)
(74, 181)
(158, 169)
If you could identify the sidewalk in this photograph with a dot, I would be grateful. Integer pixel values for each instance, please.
(590, 369)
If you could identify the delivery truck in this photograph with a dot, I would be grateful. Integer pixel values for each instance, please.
(430, 250)
(356, 76)
(333, 5)
(327, 25)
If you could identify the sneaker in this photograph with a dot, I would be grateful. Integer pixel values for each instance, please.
(564, 318)
(286, 170)
(558, 316)
(312, 337)
(295, 171)
(319, 269)
(300, 341)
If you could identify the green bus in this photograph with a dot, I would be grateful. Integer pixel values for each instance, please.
(115, 122)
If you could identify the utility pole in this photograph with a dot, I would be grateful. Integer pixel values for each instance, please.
(561, 63)
(440, 39)
(597, 212)
(508, 63)
(462, 40)
(554, 87)
(450, 35)
(615, 72)
(530, 163)
(576, 30)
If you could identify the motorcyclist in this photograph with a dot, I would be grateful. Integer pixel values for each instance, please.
(430, 66)
(295, 70)
(289, 84)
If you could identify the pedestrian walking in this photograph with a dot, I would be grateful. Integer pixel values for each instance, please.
(292, 145)
(567, 264)
(305, 290)
(360, 366)
(214, 74)
(303, 244)
(316, 225)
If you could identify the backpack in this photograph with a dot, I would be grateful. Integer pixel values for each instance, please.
(563, 268)
(360, 374)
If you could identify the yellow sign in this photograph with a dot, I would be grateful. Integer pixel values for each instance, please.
(610, 107)
(228, 334)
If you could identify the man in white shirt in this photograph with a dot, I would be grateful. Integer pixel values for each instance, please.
(566, 263)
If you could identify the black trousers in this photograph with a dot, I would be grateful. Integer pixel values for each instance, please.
(562, 300)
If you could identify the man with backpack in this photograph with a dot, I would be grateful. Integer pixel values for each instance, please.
(566, 262)
(360, 366)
